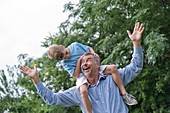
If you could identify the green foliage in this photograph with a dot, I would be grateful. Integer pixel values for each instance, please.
(102, 24)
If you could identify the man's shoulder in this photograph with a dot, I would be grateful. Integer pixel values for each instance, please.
(73, 90)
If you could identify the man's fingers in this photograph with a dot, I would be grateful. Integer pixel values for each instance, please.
(141, 31)
(24, 69)
(128, 32)
(140, 27)
(136, 26)
(35, 66)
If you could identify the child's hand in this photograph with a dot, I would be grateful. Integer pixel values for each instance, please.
(80, 58)
(95, 54)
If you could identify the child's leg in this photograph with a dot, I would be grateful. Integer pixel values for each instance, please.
(112, 69)
(128, 98)
(85, 99)
(117, 79)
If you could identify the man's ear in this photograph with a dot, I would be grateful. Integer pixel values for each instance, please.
(97, 64)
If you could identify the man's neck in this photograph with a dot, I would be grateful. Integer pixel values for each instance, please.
(93, 80)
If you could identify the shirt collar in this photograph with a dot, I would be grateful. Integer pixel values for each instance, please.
(101, 77)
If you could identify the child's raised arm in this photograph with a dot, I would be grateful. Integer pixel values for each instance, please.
(92, 51)
(77, 69)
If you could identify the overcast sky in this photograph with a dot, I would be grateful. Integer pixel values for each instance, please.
(24, 24)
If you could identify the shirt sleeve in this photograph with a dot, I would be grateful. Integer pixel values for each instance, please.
(69, 68)
(134, 68)
(63, 98)
(82, 46)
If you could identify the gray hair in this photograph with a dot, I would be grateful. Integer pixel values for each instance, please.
(97, 59)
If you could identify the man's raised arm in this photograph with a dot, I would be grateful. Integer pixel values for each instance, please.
(65, 98)
(134, 68)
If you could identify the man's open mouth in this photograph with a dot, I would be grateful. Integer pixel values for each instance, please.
(86, 68)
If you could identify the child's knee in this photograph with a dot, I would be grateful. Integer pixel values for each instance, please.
(113, 68)
(83, 90)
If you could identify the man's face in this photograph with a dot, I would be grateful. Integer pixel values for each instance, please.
(89, 66)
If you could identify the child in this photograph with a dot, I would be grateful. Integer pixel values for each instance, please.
(70, 58)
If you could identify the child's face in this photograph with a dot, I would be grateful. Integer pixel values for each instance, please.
(66, 54)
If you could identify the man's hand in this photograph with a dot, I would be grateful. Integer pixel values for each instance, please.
(32, 73)
(137, 34)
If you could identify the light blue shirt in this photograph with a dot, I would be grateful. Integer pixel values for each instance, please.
(104, 96)
(76, 50)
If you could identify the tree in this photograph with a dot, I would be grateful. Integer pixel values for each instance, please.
(102, 24)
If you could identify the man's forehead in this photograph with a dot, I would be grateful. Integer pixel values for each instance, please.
(87, 57)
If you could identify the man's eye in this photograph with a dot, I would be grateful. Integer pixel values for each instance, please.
(88, 60)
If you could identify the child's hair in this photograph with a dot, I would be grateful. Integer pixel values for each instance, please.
(55, 53)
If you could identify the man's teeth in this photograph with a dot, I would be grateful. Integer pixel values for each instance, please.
(87, 68)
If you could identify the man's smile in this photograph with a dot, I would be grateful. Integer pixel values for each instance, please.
(86, 68)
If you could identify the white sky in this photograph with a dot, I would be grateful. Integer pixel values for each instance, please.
(24, 24)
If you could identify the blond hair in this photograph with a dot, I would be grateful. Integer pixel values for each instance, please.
(55, 53)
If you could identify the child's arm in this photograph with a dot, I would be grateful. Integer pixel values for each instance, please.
(110, 69)
(77, 69)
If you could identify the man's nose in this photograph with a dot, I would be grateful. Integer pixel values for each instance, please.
(84, 63)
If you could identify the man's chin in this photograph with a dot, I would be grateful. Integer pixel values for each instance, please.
(87, 74)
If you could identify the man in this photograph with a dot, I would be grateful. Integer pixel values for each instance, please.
(103, 93)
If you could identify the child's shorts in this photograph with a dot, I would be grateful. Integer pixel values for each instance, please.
(82, 79)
